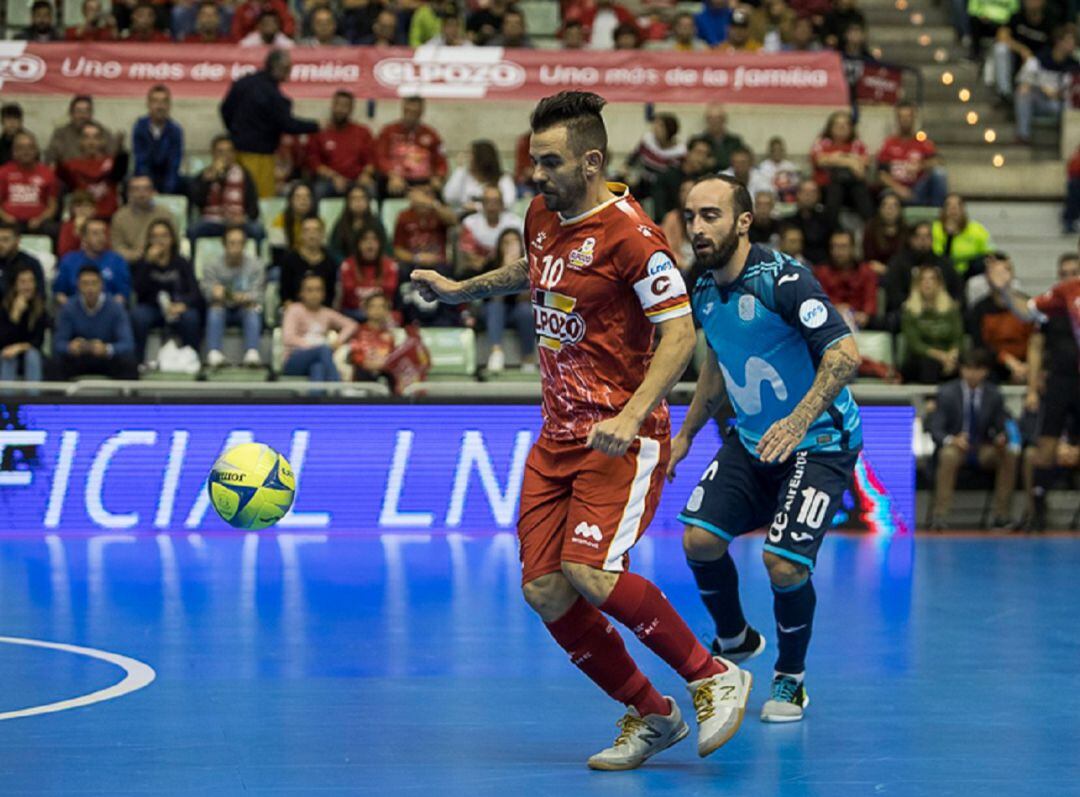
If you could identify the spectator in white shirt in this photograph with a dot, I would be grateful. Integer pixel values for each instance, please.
(480, 231)
(466, 185)
(742, 169)
(781, 173)
(267, 33)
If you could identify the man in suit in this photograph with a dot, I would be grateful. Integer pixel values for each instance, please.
(969, 428)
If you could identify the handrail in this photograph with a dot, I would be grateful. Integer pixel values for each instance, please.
(877, 392)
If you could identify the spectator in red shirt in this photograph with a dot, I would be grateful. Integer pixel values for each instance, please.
(95, 170)
(343, 152)
(246, 17)
(207, 26)
(840, 167)
(29, 189)
(849, 284)
(373, 341)
(600, 21)
(523, 166)
(908, 163)
(83, 208)
(408, 152)
(143, 30)
(97, 25)
(422, 229)
(366, 273)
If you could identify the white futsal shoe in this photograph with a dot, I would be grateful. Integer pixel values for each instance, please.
(788, 701)
(720, 703)
(641, 738)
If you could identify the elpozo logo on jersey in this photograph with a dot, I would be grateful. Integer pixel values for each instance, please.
(19, 66)
(556, 323)
(466, 72)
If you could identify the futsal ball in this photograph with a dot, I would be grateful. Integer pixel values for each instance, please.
(251, 486)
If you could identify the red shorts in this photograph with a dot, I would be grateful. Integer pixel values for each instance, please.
(579, 505)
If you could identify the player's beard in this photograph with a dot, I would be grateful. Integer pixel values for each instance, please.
(717, 258)
(568, 196)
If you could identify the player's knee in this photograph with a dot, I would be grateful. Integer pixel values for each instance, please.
(592, 582)
(549, 596)
(783, 572)
(700, 545)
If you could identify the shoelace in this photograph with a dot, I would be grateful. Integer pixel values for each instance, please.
(629, 725)
(784, 689)
(703, 703)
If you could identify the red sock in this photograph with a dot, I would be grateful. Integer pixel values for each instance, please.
(596, 649)
(641, 607)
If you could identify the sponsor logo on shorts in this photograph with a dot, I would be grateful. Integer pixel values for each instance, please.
(587, 534)
(693, 503)
(780, 522)
(801, 536)
(556, 323)
(812, 313)
(583, 255)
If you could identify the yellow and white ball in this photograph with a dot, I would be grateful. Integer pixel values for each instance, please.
(251, 486)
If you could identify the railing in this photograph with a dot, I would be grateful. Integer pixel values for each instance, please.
(456, 391)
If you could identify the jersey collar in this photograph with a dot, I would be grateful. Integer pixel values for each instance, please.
(620, 190)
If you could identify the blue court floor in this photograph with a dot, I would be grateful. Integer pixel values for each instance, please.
(313, 665)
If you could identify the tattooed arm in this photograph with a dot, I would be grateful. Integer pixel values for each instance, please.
(838, 367)
(504, 281)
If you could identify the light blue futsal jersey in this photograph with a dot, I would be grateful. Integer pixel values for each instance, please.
(768, 330)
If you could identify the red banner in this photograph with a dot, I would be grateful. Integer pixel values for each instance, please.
(490, 73)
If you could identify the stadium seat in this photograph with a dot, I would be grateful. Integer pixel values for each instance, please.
(916, 213)
(875, 345)
(18, 16)
(270, 208)
(390, 209)
(209, 248)
(196, 163)
(522, 206)
(452, 349)
(330, 211)
(541, 17)
(41, 248)
(36, 243)
(177, 205)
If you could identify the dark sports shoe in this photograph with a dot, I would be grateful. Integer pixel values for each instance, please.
(787, 702)
(752, 646)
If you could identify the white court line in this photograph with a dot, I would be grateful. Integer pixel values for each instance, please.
(137, 675)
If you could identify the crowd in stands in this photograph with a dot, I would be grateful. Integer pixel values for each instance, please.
(895, 251)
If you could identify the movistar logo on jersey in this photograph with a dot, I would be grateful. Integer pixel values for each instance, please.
(747, 396)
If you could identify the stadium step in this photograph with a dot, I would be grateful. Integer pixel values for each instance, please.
(903, 32)
(1018, 180)
(1019, 219)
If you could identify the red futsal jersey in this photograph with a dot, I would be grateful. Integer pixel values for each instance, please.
(599, 282)
(25, 193)
(1062, 298)
(95, 176)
